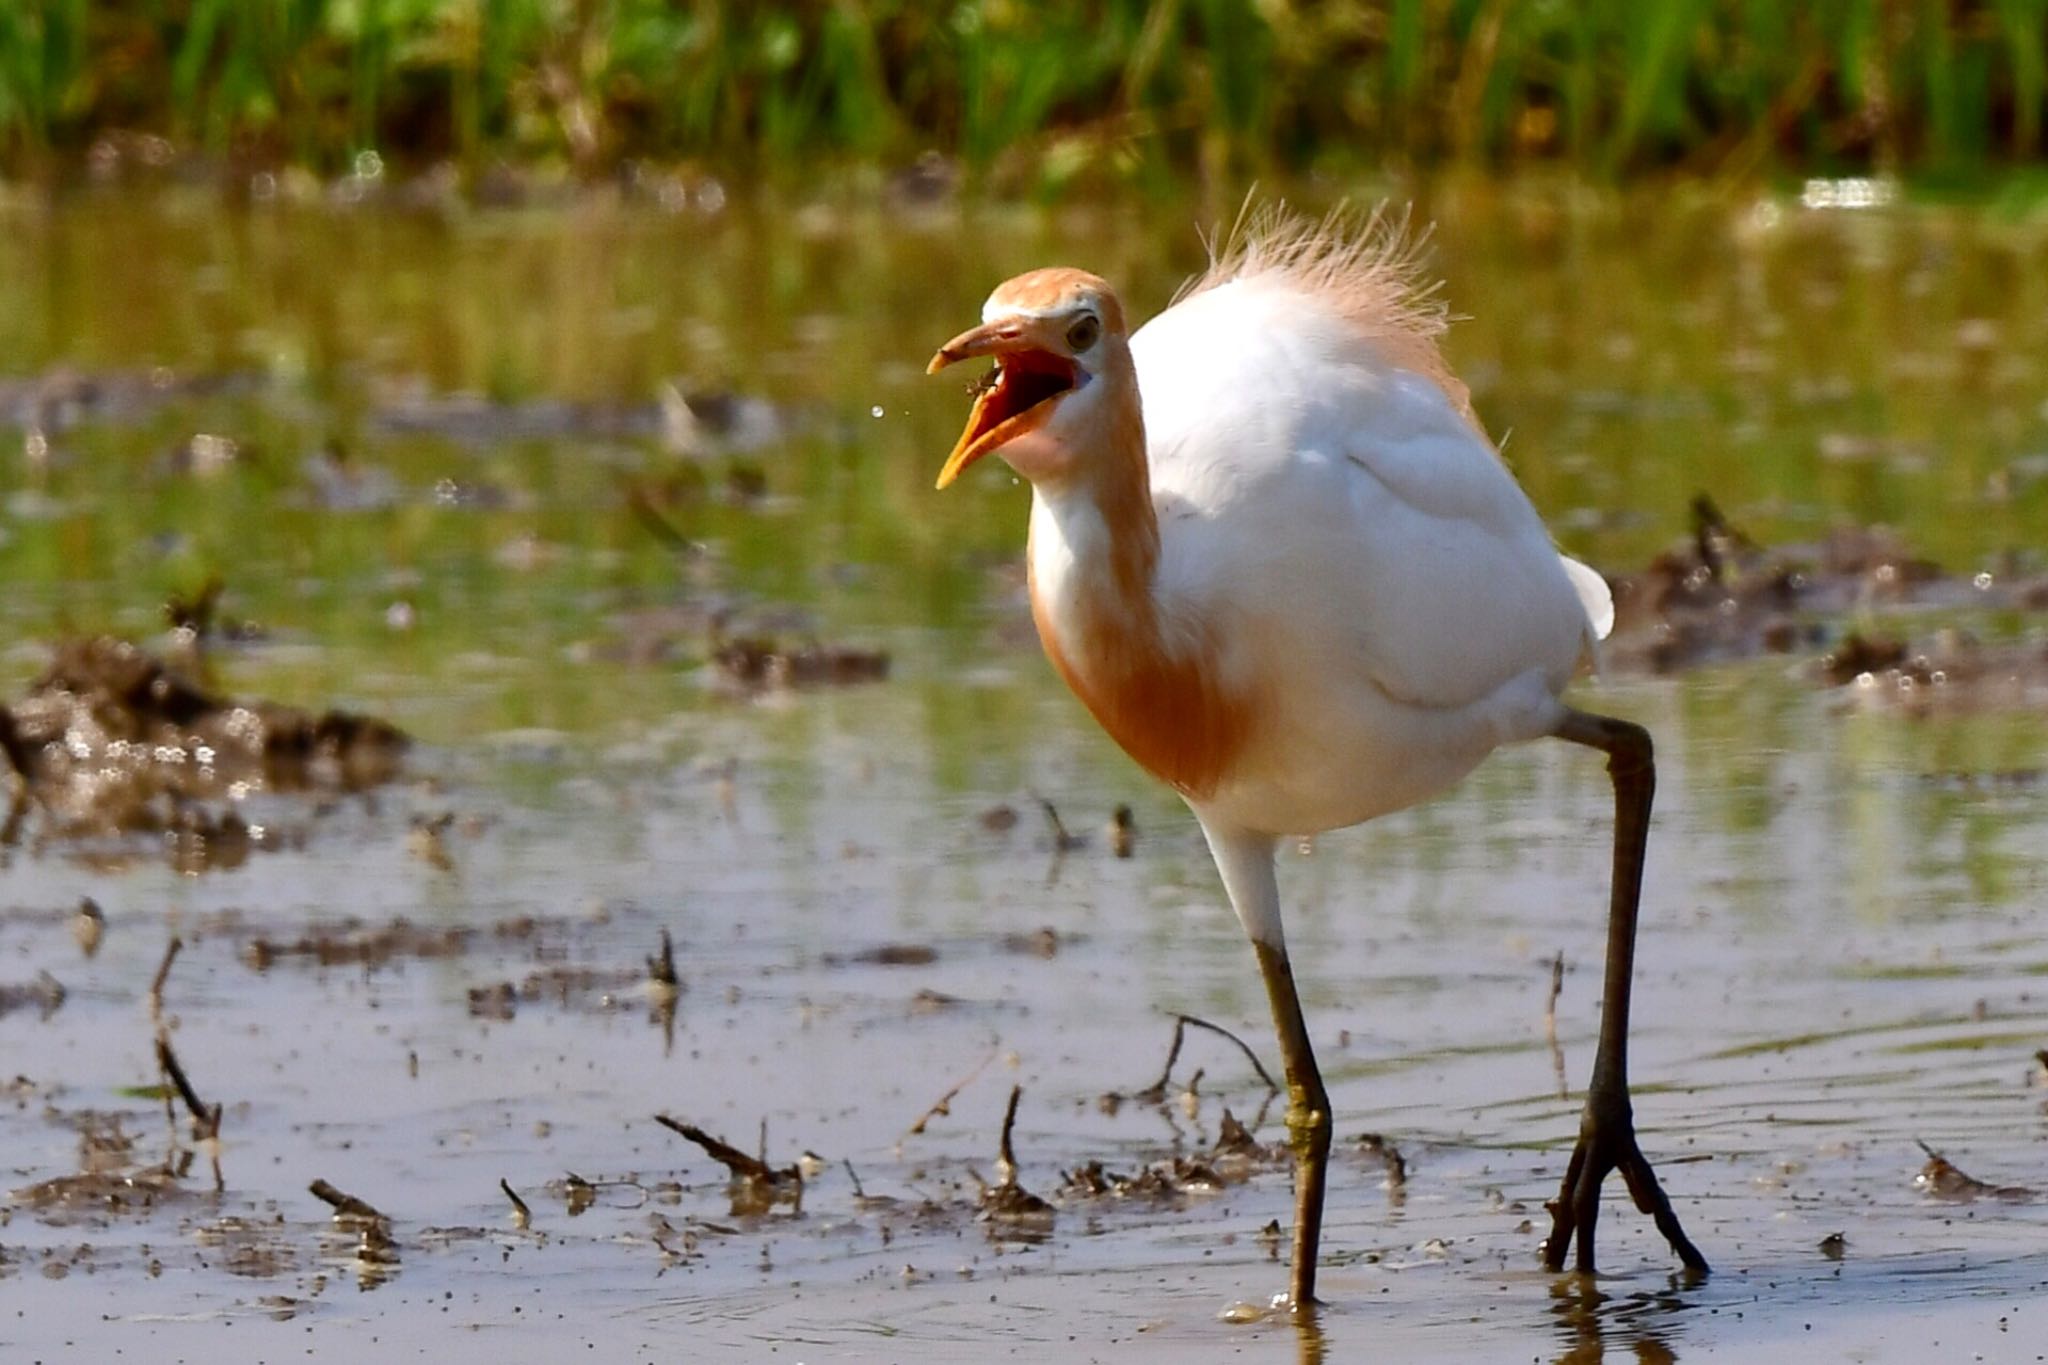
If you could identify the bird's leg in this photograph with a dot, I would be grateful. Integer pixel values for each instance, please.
(1308, 1119)
(1245, 862)
(1607, 1136)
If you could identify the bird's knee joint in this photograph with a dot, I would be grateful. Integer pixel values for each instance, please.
(1308, 1120)
(1631, 754)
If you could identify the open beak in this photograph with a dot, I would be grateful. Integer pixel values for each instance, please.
(1027, 381)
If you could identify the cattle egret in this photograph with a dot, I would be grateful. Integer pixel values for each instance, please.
(1277, 557)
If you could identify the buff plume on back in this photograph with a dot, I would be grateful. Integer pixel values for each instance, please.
(1364, 265)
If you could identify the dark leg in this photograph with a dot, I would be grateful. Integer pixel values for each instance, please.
(1308, 1121)
(1607, 1135)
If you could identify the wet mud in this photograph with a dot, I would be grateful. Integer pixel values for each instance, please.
(112, 742)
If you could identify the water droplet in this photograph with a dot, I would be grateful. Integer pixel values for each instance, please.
(875, 411)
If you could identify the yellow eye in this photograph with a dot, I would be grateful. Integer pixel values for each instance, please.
(1083, 333)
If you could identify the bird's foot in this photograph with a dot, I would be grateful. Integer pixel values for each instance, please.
(1607, 1142)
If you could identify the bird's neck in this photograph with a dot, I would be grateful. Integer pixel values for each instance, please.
(1146, 663)
(1094, 552)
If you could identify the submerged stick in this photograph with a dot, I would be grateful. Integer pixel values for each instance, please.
(1062, 841)
(754, 1186)
(742, 1165)
(1944, 1180)
(163, 972)
(942, 1107)
(1397, 1165)
(344, 1204)
(167, 1061)
(1006, 1155)
(205, 1117)
(1550, 1023)
(522, 1216)
(1006, 1201)
(661, 968)
(660, 527)
(1156, 1092)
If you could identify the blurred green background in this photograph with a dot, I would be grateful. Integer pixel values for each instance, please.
(1032, 97)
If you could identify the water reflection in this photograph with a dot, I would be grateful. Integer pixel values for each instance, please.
(1639, 1326)
(1308, 1335)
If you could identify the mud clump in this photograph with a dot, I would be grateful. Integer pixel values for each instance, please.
(63, 398)
(759, 664)
(1944, 1181)
(109, 1181)
(1720, 596)
(113, 740)
(44, 995)
(354, 944)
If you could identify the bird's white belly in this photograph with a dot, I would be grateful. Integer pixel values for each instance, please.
(1327, 761)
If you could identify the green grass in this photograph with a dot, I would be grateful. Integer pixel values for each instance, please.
(1031, 94)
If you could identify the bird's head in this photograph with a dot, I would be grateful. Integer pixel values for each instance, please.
(1055, 335)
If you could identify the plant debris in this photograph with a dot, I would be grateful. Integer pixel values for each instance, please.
(1722, 596)
(755, 1186)
(1945, 1181)
(89, 926)
(62, 398)
(887, 955)
(112, 740)
(522, 1216)
(942, 1106)
(351, 943)
(347, 1208)
(756, 664)
(663, 985)
(45, 995)
(1373, 1144)
(1155, 1093)
(1006, 1202)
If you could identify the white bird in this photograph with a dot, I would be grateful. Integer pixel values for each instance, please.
(1276, 556)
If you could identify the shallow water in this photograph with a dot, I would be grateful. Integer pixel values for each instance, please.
(1842, 951)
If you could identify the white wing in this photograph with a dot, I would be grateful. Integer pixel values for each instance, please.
(1337, 504)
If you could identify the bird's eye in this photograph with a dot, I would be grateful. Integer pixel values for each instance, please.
(1083, 333)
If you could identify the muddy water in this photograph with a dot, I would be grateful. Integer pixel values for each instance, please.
(433, 432)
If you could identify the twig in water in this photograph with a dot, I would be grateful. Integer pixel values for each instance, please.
(205, 1117)
(661, 969)
(522, 1216)
(755, 1184)
(658, 525)
(664, 987)
(89, 926)
(1123, 832)
(347, 1208)
(942, 1107)
(163, 972)
(1156, 1092)
(1550, 1023)
(1397, 1165)
(1006, 1200)
(732, 1158)
(1006, 1155)
(1062, 841)
(1942, 1179)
